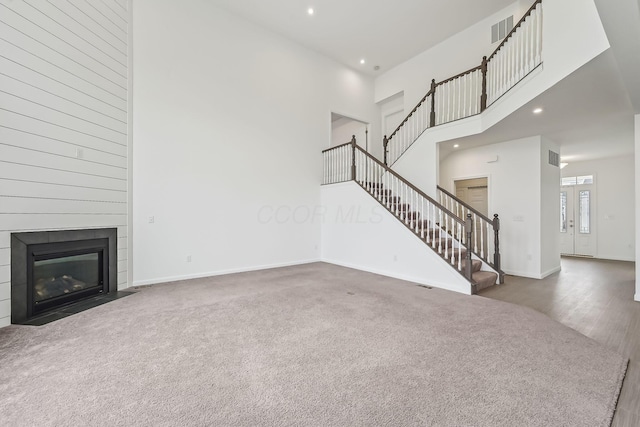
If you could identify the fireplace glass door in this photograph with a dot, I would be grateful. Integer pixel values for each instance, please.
(65, 272)
(62, 276)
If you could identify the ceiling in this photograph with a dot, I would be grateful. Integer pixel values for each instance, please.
(384, 33)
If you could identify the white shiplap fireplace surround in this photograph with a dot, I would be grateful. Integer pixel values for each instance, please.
(64, 124)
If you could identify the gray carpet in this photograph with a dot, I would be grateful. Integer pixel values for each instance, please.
(313, 345)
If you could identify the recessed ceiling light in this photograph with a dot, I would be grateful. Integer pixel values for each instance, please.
(456, 145)
(563, 164)
(362, 61)
(310, 11)
(537, 110)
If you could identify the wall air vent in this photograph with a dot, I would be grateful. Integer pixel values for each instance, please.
(501, 29)
(554, 158)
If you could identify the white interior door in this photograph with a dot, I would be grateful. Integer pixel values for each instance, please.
(577, 220)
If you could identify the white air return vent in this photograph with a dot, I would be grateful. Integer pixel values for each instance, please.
(501, 29)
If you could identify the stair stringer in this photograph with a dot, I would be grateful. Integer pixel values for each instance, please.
(358, 232)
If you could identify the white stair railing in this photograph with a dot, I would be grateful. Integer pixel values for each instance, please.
(471, 92)
(518, 55)
(485, 239)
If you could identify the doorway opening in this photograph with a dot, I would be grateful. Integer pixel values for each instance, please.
(343, 128)
(577, 225)
(475, 193)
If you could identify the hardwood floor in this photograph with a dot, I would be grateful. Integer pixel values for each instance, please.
(594, 297)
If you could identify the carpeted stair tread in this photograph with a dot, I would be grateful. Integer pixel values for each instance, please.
(484, 279)
(476, 265)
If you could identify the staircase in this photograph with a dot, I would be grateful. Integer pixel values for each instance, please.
(464, 238)
(440, 229)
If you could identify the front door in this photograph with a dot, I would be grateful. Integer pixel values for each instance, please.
(577, 220)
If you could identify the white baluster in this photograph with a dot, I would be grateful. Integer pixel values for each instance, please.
(481, 238)
(459, 247)
(422, 218)
(539, 34)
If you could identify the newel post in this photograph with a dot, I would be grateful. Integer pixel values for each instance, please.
(469, 231)
(432, 116)
(385, 143)
(353, 157)
(496, 254)
(483, 97)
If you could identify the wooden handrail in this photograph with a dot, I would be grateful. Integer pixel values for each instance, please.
(520, 22)
(457, 76)
(414, 188)
(475, 211)
(337, 146)
(424, 98)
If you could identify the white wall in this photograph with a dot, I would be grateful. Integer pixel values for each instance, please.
(229, 123)
(549, 210)
(63, 123)
(358, 232)
(615, 204)
(515, 194)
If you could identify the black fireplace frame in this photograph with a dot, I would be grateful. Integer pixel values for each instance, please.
(24, 246)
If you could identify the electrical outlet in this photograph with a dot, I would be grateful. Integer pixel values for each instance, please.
(152, 220)
(188, 258)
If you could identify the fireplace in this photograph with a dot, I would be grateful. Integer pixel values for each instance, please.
(55, 269)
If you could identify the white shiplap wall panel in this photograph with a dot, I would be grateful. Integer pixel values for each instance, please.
(32, 125)
(67, 121)
(57, 221)
(61, 58)
(111, 31)
(71, 77)
(63, 122)
(74, 11)
(31, 173)
(48, 84)
(20, 205)
(5, 257)
(5, 239)
(124, 5)
(117, 9)
(122, 279)
(60, 192)
(58, 12)
(5, 274)
(117, 21)
(5, 291)
(31, 157)
(15, 88)
(54, 147)
(55, 36)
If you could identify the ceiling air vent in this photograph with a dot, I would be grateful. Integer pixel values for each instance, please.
(501, 29)
(554, 158)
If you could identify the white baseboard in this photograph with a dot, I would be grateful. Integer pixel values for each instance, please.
(550, 272)
(445, 286)
(521, 274)
(168, 279)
